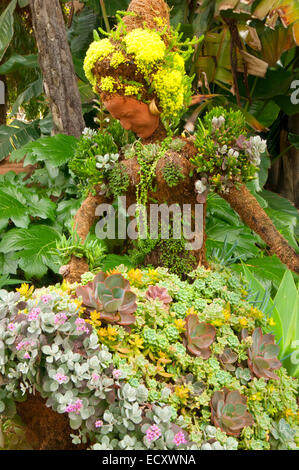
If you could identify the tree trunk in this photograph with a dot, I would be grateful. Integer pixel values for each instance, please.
(56, 63)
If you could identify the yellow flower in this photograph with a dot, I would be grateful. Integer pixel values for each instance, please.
(147, 47)
(217, 322)
(97, 50)
(25, 291)
(102, 332)
(180, 324)
(271, 322)
(191, 311)
(94, 319)
(108, 83)
(227, 312)
(256, 397)
(111, 333)
(153, 275)
(256, 313)
(135, 276)
(182, 392)
(136, 342)
(243, 322)
(288, 412)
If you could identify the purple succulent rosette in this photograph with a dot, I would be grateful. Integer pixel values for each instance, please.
(199, 336)
(111, 296)
(262, 355)
(229, 411)
(160, 293)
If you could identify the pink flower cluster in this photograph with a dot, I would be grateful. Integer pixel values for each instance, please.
(33, 315)
(60, 318)
(45, 298)
(74, 407)
(81, 325)
(98, 423)
(153, 433)
(95, 377)
(23, 344)
(179, 438)
(61, 378)
(11, 326)
(116, 373)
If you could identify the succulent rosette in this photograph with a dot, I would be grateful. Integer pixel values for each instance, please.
(262, 356)
(229, 411)
(111, 296)
(199, 336)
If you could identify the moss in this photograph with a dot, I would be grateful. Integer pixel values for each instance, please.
(118, 180)
(172, 174)
(176, 258)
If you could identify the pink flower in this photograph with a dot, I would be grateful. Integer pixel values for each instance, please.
(33, 315)
(20, 345)
(60, 318)
(98, 423)
(95, 377)
(61, 378)
(74, 407)
(81, 325)
(11, 326)
(26, 355)
(116, 373)
(179, 438)
(46, 298)
(153, 433)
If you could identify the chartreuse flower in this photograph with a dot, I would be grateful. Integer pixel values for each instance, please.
(147, 47)
(108, 84)
(25, 290)
(97, 50)
(135, 277)
(169, 87)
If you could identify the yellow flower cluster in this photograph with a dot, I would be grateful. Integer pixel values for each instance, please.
(147, 47)
(169, 87)
(108, 83)
(25, 290)
(132, 90)
(135, 277)
(97, 50)
(117, 59)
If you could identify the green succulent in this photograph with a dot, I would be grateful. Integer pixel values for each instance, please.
(262, 356)
(199, 336)
(111, 296)
(229, 411)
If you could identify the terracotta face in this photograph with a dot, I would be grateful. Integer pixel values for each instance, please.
(133, 115)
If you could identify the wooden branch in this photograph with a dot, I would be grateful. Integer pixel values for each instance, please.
(246, 205)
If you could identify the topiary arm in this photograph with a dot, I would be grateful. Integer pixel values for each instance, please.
(249, 210)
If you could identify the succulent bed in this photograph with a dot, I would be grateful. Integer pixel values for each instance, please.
(139, 359)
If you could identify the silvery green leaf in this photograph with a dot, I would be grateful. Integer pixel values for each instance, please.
(2, 406)
(206, 446)
(46, 349)
(75, 423)
(10, 340)
(141, 394)
(108, 417)
(54, 386)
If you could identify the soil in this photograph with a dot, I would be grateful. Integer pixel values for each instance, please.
(46, 429)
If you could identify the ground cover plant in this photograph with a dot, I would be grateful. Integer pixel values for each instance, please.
(182, 365)
(132, 341)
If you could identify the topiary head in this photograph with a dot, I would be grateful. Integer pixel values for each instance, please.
(139, 67)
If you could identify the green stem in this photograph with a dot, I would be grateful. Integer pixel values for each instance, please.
(104, 12)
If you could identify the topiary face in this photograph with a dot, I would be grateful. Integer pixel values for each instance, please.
(133, 115)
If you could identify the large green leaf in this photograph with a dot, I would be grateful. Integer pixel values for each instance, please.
(258, 289)
(7, 27)
(16, 135)
(286, 302)
(54, 151)
(18, 204)
(33, 249)
(34, 90)
(17, 61)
